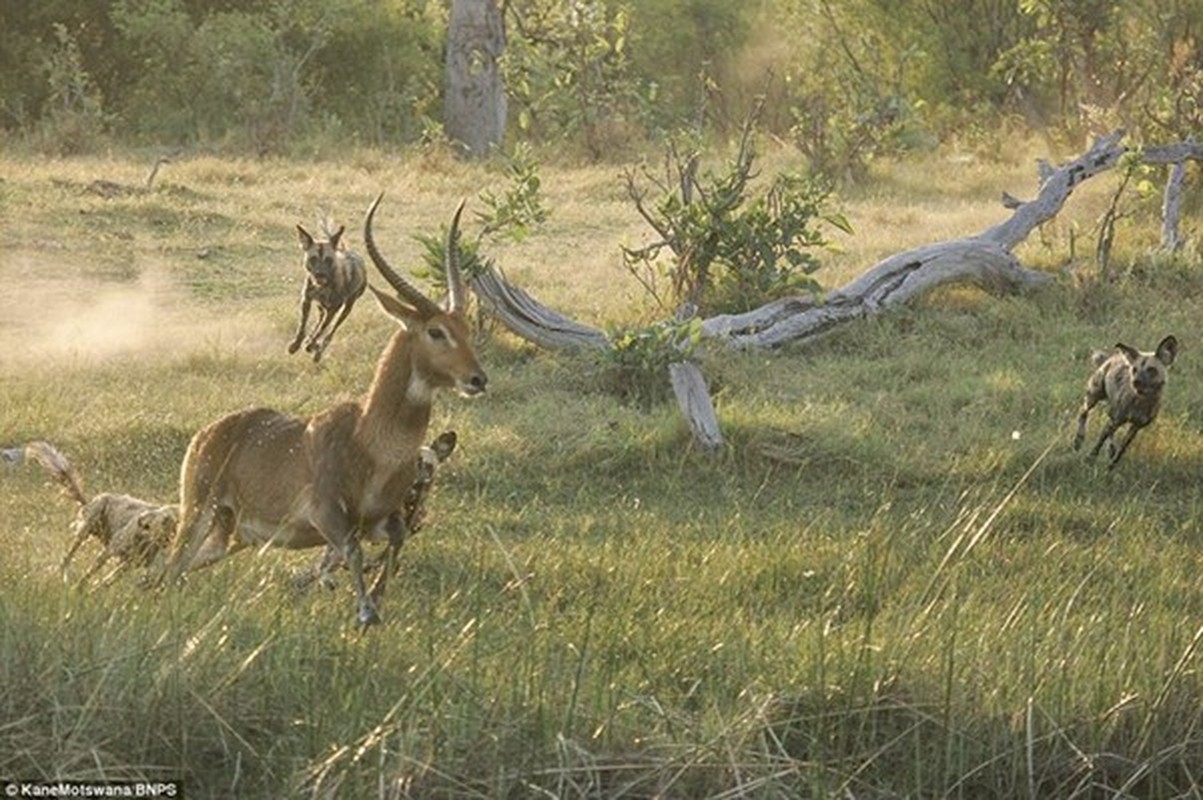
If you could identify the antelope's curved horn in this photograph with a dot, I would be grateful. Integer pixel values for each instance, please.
(406, 290)
(456, 300)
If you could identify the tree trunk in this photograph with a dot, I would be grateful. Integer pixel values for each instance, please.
(1171, 209)
(474, 110)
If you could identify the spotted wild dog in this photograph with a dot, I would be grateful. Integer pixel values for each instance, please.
(132, 531)
(1132, 383)
(335, 279)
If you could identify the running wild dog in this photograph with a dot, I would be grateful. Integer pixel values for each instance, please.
(133, 531)
(1132, 383)
(335, 279)
(262, 478)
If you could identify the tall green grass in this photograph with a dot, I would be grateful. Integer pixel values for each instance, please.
(896, 581)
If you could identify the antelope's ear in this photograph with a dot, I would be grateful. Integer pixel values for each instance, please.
(402, 312)
(336, 236)
(1167, 350)
(1130, 353)
(304, 237)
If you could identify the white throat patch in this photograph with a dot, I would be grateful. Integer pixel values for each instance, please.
(418, 390)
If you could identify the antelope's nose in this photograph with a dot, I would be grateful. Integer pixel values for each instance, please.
(477, 382)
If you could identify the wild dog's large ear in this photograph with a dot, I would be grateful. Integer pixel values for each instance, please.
(304, 237)
(1130, 353)
(1167, 350)
(334, 237)
(444, 445)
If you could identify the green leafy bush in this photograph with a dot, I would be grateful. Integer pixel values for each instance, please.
(731, 250)
(636, 367)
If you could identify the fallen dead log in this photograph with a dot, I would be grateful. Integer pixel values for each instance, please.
(895, 281)
(984, 260)
(526, 317)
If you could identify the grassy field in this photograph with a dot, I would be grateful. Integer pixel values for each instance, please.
(897, 580)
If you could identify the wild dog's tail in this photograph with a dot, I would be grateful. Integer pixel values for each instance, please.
(325, 223)
(53, 462)
(1097, 357)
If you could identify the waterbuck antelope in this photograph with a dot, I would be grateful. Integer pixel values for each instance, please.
(335, 278)
(260, 477)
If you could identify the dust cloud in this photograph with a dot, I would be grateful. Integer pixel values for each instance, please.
(64, 314)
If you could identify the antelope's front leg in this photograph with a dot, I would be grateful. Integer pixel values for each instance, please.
(353, 553)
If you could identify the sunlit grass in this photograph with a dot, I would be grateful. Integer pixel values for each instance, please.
(897, 579)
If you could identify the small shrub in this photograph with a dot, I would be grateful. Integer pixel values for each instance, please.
(636, 367)
(731, 251)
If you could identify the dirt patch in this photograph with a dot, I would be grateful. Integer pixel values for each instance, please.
(57, 311)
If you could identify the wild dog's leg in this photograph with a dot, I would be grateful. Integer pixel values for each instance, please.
(306, 301)
(119, 570)
(336, 528)
(1095, 391)
(1105, 436)
(1117, 451)
(323, 319)
(319, 571)
(101, 560)
(346, 309)
(85, 523)
(395, 526)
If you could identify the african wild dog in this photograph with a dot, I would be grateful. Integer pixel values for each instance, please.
(132, 531)
(335, 279)
(1132, 383)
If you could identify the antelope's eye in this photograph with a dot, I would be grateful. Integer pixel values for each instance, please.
(438, 334)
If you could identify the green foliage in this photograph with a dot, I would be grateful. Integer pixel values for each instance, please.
(236, 73)
(378, 75)
(75, 119)
(1175, 105)
(852, 99)
(636, 368)
(512, 215)
(520, 209)
(732, 250)
(851, 80)
(569, 73)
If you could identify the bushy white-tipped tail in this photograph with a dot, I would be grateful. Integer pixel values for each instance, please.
(53, 462)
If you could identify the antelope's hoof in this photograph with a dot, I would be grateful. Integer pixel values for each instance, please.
(1078, 441)
(292, 348)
